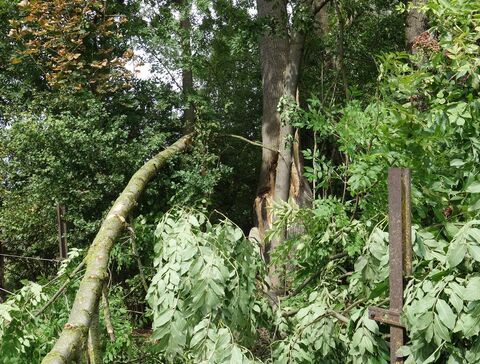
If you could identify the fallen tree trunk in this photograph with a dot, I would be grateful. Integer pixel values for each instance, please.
(86, 301)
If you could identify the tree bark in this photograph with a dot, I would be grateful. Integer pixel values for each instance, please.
(416, 24)
(273, 55)
(106, 313)
(87, 298)
(341, 49)
(94, 340)
(187, 73)
(285, 154)
(280, 58)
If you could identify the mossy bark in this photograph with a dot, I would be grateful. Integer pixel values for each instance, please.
(90, 290)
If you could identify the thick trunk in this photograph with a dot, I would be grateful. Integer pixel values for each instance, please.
(273, 53)
(94, 341)
(282, 180)
(86, 301)
(280, 58)
(285, 155)
(416, 24)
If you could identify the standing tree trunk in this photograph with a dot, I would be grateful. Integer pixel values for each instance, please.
(416, 24)
(187, 73)
(281, 56)
(273, 54)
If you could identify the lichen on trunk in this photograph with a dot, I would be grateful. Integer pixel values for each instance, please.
(88, 295)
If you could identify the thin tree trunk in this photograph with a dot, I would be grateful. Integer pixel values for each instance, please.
(86, 301)
(187, 74)
(341, 49)
(416, 24)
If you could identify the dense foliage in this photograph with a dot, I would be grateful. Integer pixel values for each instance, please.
(187, 285)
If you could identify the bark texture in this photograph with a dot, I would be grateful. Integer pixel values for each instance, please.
(273, 55)
(87, 298)
(416, 24)
(187, 73)
(94, 341)
(281, 51)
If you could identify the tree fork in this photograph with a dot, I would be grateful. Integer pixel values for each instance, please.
(90, 290)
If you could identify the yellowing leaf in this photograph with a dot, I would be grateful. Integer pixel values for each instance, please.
(15, 60)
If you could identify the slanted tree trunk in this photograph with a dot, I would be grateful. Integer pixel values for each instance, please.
(85, 306)
(416, 24)
(94, 340)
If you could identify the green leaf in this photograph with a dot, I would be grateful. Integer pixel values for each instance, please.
(456, 254)
(474, 187)
(472, 291)
(445, 314)
(451, 229)
(474, 251)
(237, 356)
(456, 301)
(457, 163)
(441, 332)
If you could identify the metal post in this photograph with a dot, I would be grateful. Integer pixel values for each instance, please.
(62, 230)
(400, 255)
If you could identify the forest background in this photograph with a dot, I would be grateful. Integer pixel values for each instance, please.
(296, 110)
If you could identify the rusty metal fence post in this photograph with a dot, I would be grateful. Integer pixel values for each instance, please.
(400, 255)
(62, 230)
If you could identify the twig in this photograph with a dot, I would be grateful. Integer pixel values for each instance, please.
(31, 258)
(6, 290)
(347, 274)
(61, 289)
(338, 316)
(139, 261)
(106, 313)
(314, 276)
(258, 144)
(353, 305)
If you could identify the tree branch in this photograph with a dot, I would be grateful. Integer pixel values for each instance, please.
(86, 301)
(62, 288)
(319, 6)
(314, 275)
(106, 313)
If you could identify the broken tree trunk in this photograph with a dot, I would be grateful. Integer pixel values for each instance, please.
(86, 301)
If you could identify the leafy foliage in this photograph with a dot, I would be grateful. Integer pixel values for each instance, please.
(203, 294)
(59, 37)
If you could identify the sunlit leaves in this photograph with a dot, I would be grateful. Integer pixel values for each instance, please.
(59, 38)
(205, 278)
